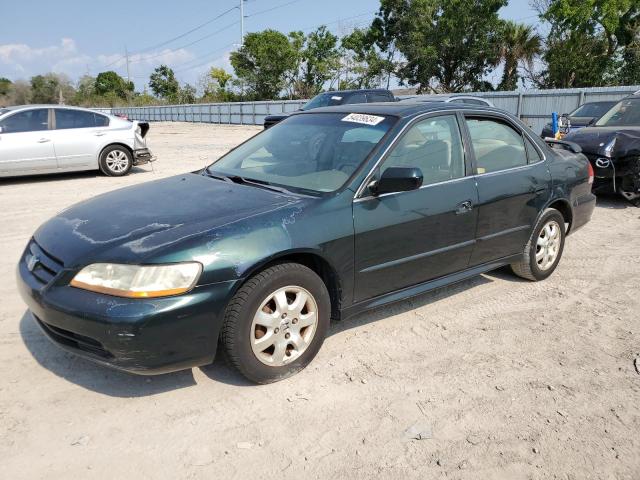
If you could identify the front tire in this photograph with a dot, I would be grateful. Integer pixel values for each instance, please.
(276, 323)
(116, 161)
(544, 249)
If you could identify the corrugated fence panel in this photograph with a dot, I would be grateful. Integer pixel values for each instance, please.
(533, 106)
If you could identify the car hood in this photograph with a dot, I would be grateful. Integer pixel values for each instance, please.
(134, 224)
(594, 139)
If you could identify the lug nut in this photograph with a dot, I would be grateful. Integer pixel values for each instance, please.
(287, 335)
(294, 321)
(276, 330)
(284, 315)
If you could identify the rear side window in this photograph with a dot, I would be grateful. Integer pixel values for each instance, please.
(101, 120)
(76, 119)
(532, 152)
(27, 121)
(496, 144)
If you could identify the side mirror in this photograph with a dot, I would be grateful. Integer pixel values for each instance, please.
(397, 179)
(592, 121)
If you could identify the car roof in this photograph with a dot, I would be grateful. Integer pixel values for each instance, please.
(36, 105)
(398, 109)
(360, 90)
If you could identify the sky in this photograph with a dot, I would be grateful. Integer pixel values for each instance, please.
(77, 37)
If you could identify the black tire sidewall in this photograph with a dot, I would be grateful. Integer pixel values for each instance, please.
(535, 270)
(103, 161)
(294, 275)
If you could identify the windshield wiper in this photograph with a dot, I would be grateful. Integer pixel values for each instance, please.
(257, 183)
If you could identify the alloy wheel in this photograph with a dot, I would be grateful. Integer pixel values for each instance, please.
(117, 161)
(548, 245)
(284, 325)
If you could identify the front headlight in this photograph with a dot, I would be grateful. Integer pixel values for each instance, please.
(138, 281)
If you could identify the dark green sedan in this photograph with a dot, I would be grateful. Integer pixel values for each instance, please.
(325, 215)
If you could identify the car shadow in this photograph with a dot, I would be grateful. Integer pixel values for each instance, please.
(121, 384)
(612, 201)
(58, 177)
(92, 376)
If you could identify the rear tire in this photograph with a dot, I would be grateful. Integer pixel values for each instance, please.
(276, 323)
(116, 161)
(544, 249)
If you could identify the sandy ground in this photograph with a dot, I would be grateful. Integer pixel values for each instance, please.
(503, 378)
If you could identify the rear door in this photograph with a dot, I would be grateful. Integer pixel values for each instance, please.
(513, 186)
(25, 143)
(406, 238)
(76, 139)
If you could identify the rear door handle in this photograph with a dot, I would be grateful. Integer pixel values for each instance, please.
(44, 140)
(100, 134)
(464, 207)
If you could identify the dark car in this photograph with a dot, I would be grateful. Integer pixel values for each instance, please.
(581, 116)
(334, 98)
(612, 145)
(333, 212)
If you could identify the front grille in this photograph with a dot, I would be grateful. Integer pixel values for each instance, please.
(41, 264)
(74, 340)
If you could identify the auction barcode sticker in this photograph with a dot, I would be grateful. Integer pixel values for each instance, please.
(363, 118)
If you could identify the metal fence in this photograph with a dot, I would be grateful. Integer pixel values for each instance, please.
(534, 107)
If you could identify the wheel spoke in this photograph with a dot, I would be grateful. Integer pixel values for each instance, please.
(261, 344)
(539, 255)
(298, 304)
(282, 305)
(307, 320)
(265, 319)
(298, 342)
(279, 353)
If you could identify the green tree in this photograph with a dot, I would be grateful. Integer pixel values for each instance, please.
(317, 61)
(609, 31)
(449, 45)
(369, 59)
(51, 88)
(262, 63)
(520, 45)
(163, 83)
(5, 86)
(216, 85)
(110, 84)
(186, 94)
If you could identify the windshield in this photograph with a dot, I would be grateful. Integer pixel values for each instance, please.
(624, 113)
(323, 100)
(3, 111)
(591, 109)
(312, 152)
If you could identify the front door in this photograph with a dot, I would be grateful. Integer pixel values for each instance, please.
(513, 186)
(25, 143)
(406, 238)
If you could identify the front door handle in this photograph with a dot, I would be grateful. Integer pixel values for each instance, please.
(44, 140)
(464, 207)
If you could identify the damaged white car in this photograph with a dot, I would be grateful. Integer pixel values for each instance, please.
(42, 139)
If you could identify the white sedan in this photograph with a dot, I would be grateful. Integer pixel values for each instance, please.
(40, 139)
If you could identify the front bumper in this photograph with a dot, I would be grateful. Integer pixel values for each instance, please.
(142, 156)
(145, 336)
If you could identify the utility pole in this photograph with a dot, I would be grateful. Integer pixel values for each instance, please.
(126, 54)
(241, 23)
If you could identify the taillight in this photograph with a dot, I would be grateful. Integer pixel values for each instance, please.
(591, 173)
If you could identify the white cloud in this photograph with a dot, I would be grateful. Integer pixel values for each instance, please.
(19, 60)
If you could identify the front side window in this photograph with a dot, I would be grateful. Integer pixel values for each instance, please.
(74, 119)
(315, 152)
(496, 144)
(434, 146)
(27, 121)
(625, 113)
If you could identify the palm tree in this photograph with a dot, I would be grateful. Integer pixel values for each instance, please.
(520, 44)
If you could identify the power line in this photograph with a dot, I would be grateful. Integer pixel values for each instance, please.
(274, 8)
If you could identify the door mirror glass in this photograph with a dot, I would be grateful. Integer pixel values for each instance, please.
(397, 179)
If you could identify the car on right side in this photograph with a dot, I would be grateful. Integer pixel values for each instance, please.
(612, 145)
(583, 116)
